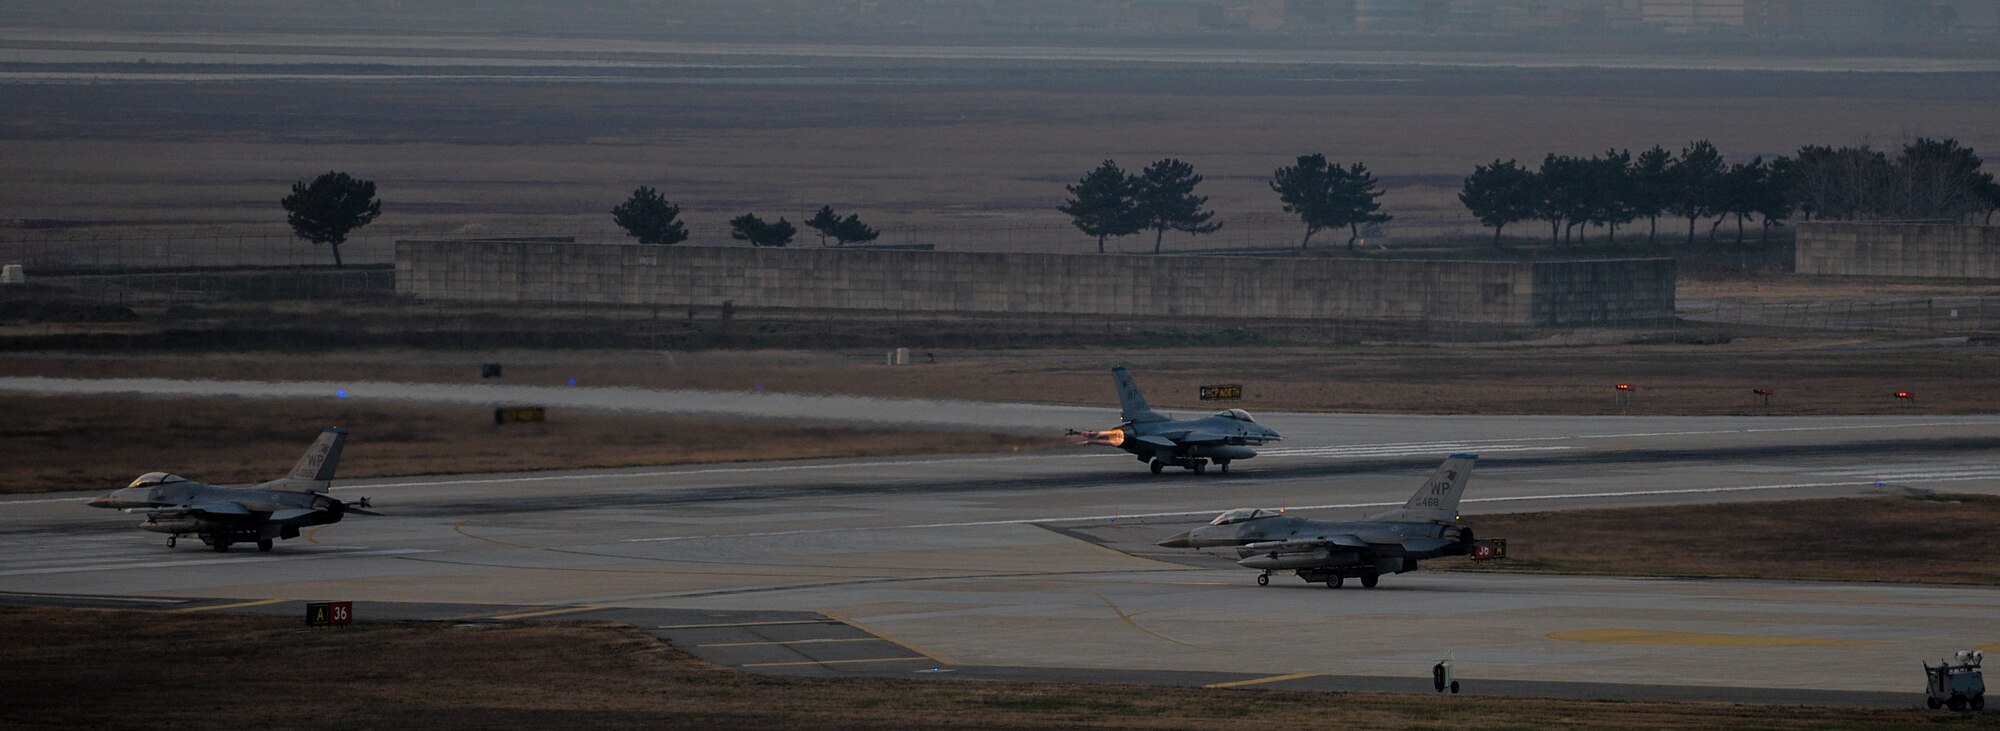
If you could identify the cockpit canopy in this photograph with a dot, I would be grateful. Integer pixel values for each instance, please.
(1237, 414)
(156, 478)
(1242, 514)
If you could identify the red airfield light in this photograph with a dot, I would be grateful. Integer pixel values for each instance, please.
(1761, 391)
(1624, 386)
(1905, 395)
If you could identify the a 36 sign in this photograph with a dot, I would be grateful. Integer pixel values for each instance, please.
(326, 614)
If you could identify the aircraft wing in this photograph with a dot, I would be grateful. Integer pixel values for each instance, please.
(210, 507)
(1203, 437)
(1157, 441)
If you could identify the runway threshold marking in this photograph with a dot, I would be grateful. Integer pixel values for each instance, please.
(918, 658)
(1629, 636)
(823, 641)
(549, 612)
(748, 624)
(891, 639)
(1260, 681)
(237, 605)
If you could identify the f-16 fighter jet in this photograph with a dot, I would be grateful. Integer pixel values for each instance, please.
(221, 516)
(1162, 442)
(1330, 551)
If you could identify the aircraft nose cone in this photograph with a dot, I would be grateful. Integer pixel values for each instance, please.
(1179, 541)
(102, 501)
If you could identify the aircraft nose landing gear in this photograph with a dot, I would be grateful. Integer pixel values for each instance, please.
(1264, 579)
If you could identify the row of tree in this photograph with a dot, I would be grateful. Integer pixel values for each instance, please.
(649, 217)
(1109, 202)
(1938, 180)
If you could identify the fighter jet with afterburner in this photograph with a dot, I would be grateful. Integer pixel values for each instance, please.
(221, 516)
(1162, 442)
(1327, 551)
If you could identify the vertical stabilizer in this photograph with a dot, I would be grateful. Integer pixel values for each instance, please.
(1131, 403)
(1437, 500)
(314, 472)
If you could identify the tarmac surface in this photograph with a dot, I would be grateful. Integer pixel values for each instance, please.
(1043, 566)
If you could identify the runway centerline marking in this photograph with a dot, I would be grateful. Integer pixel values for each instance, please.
(237, 605)
(1260, 681)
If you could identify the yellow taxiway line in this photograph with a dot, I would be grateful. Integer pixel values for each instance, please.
(746, 624)
(1626, 636)
(796, 642)
(1260, 681)
(237, 605)
(548, 612)
(917, 658)
(892, 639)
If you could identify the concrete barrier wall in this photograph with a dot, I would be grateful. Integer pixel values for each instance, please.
(1899, 250)
(1552, 293)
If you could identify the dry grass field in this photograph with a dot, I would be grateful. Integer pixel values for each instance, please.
(98, 443)
(1811, 375)
(62, 670)
(1947, 539)
(973, 163)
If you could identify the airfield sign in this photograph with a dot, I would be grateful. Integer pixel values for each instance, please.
(1223, 392)
(327, 614)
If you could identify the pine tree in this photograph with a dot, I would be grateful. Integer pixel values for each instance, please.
(331, 206)
(1101, 204)
(1166, 201)
(648, 217)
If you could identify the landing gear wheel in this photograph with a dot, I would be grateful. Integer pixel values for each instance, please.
(1263, 579)
(1224, 466)
(171, 540)
(1335, 582)
(1200, 467)
(1454, 686)
(1158, 465)
(220, 545)
(1369, 581)
(264, 545)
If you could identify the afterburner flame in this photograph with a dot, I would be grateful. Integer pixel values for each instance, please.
(1110, 438)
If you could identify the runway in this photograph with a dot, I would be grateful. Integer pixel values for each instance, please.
(1044, 564)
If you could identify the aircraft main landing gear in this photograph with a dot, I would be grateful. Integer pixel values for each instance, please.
(1368, 581)
(221, 545)
(1200, 466)
(171, 540)
(1335, 582)
(1158, 466)
(1223, 464)
(1264, 579)
(264, 545)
